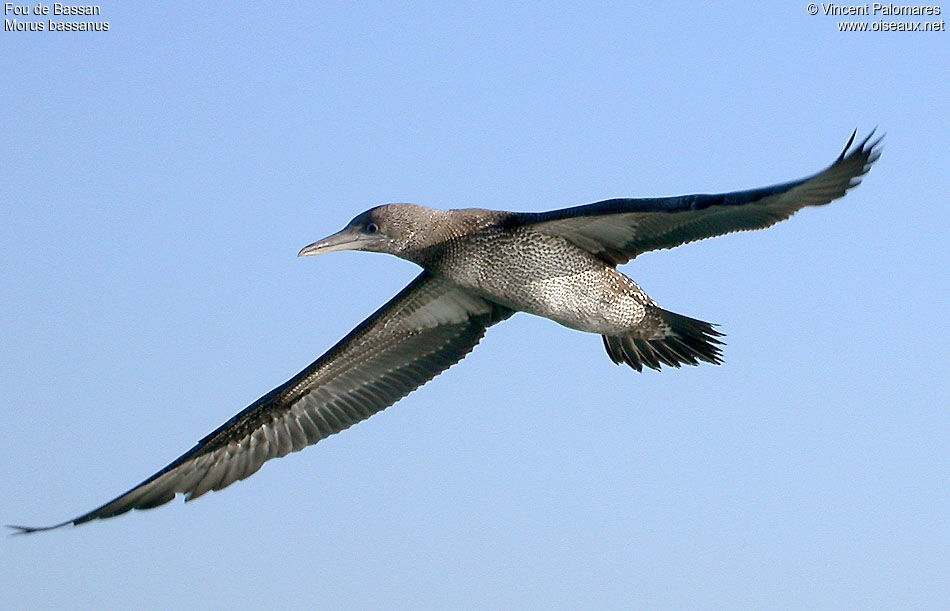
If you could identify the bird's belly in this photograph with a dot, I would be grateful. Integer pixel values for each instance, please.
(580, 300)
(549, 277)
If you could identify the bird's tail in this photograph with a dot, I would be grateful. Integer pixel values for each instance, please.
(680, 340)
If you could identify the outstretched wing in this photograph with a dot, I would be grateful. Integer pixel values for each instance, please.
(617, 230)
(425, 329)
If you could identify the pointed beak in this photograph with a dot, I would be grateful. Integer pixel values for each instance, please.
(348, 239)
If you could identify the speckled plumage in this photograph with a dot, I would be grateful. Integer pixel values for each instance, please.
(544, 275)
(480, 266)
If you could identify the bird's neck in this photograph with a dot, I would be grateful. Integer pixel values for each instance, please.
(433, 235)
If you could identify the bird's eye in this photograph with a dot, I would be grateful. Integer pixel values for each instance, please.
(372, 228)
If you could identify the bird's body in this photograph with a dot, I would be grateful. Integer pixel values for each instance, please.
(529, 271)
(481, 266)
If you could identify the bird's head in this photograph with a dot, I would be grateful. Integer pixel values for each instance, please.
(390, 229)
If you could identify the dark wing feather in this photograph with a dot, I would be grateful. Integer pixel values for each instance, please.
(618, 230)
(429, 326)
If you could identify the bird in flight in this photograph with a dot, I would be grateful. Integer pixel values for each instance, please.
(479, 268)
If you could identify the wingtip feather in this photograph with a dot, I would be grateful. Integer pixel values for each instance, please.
(847, 146)
(28, 530)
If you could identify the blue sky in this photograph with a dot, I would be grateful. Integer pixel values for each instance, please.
(159, 178)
